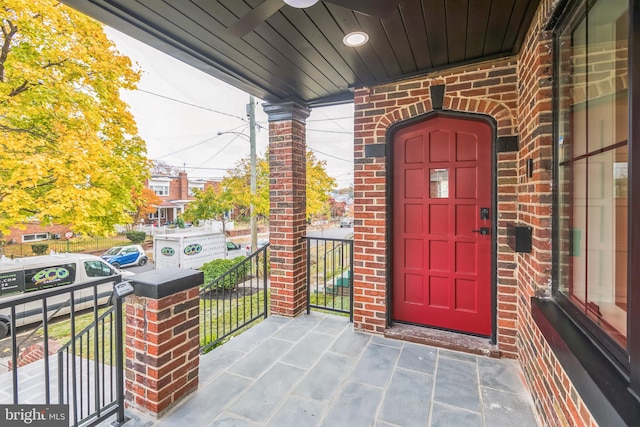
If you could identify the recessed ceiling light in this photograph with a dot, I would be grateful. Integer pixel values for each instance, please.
(300, 4)
(356, 38)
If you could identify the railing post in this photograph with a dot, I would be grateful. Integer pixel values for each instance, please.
(120, 418)
(308, 274)
(162, 339)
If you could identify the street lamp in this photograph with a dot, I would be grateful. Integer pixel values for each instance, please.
(254, 225)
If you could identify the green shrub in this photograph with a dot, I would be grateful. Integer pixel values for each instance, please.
(216, 268)
(136, 236)
(39, 248)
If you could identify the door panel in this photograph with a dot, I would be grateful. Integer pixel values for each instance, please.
(441, 262)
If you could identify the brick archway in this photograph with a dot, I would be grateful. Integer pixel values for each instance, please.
(484, 106)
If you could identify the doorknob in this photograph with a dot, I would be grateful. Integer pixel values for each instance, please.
(483, 230)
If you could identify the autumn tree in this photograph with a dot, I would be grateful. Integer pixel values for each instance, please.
(69, 151)
(319, 185)
(145, 202)
(214, 202)
(238, 183)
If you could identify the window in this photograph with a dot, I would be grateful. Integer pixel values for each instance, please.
(160, 190)
(35, 237)
(97, 269)
(192, 187)
(592, 123)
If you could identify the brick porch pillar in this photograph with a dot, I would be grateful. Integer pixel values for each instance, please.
(287, 218)
(162, 347)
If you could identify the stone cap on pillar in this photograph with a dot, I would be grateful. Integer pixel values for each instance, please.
(163, 282)
(286, 110)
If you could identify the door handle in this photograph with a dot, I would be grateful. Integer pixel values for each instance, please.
(483, 230)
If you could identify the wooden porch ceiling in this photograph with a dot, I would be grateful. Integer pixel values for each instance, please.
(299, 54)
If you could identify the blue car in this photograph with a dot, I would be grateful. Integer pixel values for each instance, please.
(123, 256)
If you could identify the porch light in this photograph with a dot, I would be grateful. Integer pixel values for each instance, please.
(300, 4)
(355, 39)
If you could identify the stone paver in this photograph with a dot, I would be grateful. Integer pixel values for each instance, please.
(316, 370)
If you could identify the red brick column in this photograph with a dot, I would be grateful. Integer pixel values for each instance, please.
(287, 217)
(162, 347)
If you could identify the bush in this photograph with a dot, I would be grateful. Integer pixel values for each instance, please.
(136, 236)
(216, 268)
(39, 248)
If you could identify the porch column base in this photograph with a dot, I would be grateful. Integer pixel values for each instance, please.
(162, 346)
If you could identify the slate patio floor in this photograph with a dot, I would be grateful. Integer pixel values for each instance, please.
(316, 370)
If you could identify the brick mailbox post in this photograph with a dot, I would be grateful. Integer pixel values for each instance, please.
(162, 339)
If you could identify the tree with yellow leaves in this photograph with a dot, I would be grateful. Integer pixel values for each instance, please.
(69, 150)
(319, 184)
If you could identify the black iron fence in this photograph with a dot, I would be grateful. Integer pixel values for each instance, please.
(330, 275)
(234, 300)
(74, 245)
(76, 323)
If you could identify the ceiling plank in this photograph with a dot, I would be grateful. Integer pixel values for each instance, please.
(477, 27)
(435, 22)
(498, 20)
(413, 18)
(399, 42)
(456, 12)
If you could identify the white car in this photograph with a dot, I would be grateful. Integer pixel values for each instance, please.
(346, 223)
(261, 243)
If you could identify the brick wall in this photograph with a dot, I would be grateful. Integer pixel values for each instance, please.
(33, 228)
(161, 350)
(489, 89)
(554, 396)
(287, 217)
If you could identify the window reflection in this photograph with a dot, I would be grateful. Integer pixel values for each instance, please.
(592, 171)
(439, 183)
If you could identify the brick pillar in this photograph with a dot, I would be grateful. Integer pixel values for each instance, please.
(162, 347)
(288, 195)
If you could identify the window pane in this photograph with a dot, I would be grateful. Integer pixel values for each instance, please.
(439, 183)
(592, 176)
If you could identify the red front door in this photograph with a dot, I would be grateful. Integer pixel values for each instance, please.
(441, 193)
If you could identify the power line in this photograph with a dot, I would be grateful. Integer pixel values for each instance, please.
(329, 155)
(192, 105)
(196, 144)
(330, 131)
(330, 119)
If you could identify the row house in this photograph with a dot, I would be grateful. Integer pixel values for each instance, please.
(176, 192)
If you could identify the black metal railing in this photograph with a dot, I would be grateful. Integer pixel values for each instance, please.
(330, 275)
(234, 300)
(87, 373)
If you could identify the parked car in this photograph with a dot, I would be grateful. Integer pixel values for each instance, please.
(123, 256)
(346, 223)
(235, 250)
(233, 246)
(261, 243)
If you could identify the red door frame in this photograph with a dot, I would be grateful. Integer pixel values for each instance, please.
(494, 204)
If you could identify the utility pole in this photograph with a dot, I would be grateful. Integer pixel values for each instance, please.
(251, 112)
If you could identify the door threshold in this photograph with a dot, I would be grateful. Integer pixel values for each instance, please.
(443, 339)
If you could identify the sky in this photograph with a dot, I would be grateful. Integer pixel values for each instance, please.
(179, 111)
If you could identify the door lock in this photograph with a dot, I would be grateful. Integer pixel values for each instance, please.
(483, 230)
(484, 213)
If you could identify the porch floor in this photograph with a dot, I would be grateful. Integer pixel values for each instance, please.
(315, 370)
